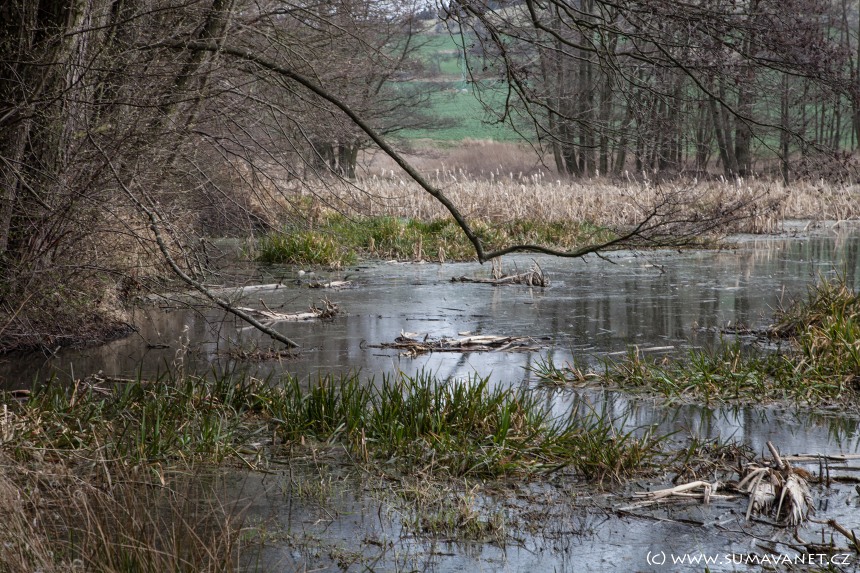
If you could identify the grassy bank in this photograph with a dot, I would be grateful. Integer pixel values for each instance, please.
(336, 240)
(99, 475)
(466, 426)
(819, 361)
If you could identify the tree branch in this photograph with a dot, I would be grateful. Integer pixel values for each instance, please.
(649, 224)
(155, 221)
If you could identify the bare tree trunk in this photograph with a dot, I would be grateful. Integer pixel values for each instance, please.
(785, 133)
(621, 154)
(12, 155)
(568, 151)
(726, 155)
(834, 141)
(856, 99)
(552, 102)
(704, 137)
(606, 110)
(744, 110)
(213, 29)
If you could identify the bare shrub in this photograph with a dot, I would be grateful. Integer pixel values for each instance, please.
(238, 201)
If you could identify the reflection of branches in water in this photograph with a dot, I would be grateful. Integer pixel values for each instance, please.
(841, 430)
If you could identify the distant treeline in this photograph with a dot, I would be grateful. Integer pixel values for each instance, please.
(749, 85)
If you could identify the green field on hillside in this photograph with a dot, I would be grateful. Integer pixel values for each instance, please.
(441, 55)
(461, 115)
(452, 102)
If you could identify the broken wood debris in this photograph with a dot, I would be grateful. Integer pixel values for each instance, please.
(636, 350)
(838, 458)
(260, 354)
(774, 488)
(533, 277)
(330, 284)
(681, 491)
(414, 345)
(327, 309)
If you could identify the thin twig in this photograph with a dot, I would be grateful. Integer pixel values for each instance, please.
(155, 220)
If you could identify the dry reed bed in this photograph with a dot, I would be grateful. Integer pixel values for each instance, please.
(510, 196)
(98, 515)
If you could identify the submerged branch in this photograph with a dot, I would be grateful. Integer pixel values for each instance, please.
(533, 277)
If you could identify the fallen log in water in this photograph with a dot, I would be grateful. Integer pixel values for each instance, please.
(327, 310)
(330, 284)
(481, 343)
(533, 277)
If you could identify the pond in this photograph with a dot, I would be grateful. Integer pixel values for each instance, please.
(592, 307)
(653, 302)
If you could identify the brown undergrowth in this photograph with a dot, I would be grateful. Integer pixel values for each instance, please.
(65, 514)
(505, 196)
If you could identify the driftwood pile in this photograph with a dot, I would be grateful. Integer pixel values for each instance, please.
(327, 309)
(413, 345)
(533, 277)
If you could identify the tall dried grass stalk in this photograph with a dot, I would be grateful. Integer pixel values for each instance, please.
(511, 196)
(72, 516)
(496, 181)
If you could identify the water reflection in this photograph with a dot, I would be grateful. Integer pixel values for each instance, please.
(592, 307)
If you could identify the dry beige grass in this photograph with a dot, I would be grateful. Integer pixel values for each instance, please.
(70, 516)
(506, 181)
(509, 197)
(496, 181)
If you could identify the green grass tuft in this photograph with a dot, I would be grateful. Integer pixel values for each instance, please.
(304, 248)
(338, 240)
(459, 427)
(820, 365)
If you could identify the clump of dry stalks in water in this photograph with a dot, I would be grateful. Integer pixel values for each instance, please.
(60, 516)
(777, 481)
(774, 488)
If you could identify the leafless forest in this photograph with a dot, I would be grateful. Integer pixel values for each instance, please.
(130, 129)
